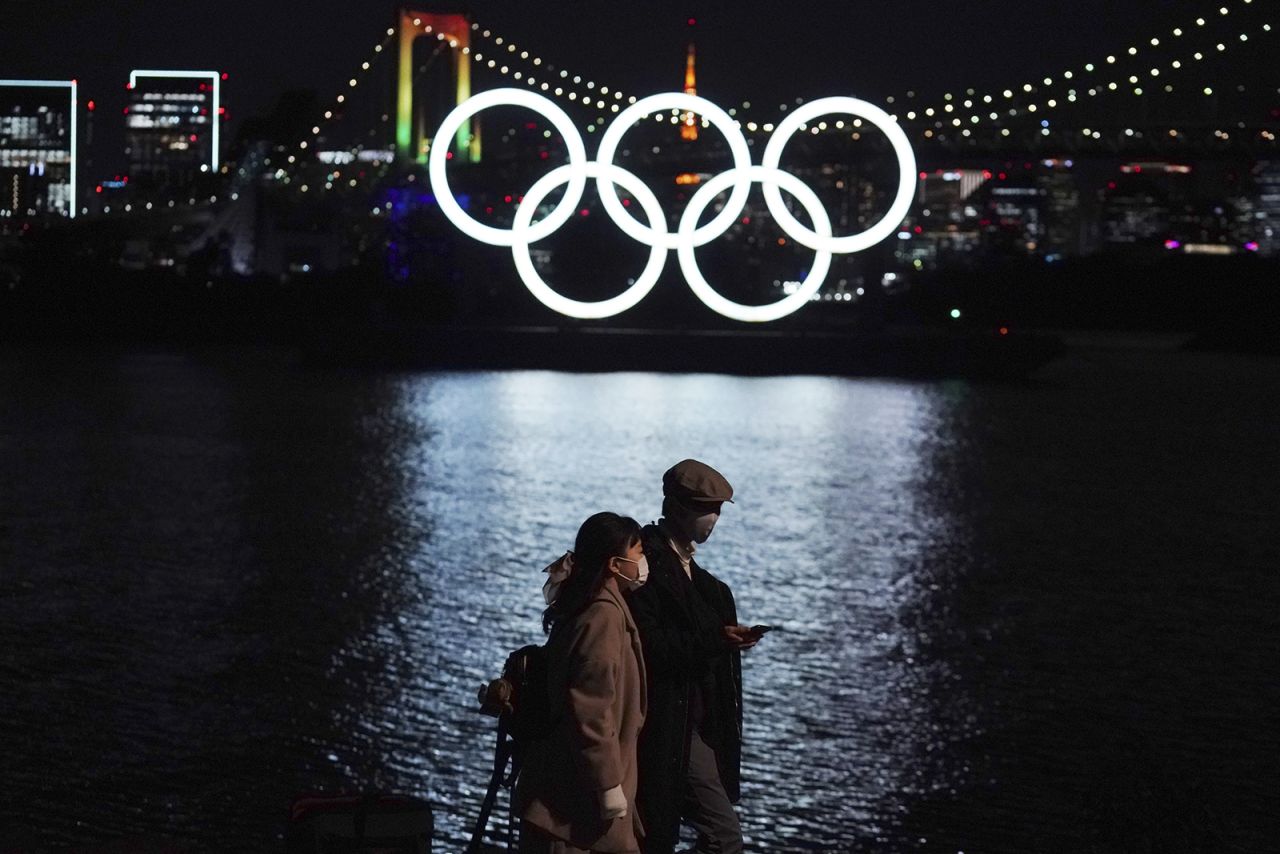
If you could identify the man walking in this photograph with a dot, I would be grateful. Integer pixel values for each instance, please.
(691, 743)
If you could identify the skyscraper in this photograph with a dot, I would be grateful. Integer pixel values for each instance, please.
(37, 147)
(171, 127)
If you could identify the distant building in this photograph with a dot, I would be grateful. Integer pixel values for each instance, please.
(1015, 220)
(37, 148)
(171, 128)
(1149, 203)
(1266, 211)
(944, 224)
(1063, 234)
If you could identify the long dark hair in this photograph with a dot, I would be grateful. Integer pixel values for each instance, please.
(601, 537)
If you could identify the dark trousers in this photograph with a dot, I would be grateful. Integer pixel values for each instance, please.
(706, 807)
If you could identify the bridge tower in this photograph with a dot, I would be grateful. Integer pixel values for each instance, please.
(454, 28)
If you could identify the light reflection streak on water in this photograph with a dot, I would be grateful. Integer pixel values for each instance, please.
(826, 541)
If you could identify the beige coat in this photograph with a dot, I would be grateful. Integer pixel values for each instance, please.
(597, 682)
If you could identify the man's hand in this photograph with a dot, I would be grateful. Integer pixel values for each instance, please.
(740, 637)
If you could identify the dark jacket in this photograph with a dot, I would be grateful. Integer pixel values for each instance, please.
(684, 652)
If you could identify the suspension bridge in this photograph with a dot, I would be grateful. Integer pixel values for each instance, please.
(1169, 95)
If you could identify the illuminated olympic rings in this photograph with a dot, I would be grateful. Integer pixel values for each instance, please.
(688, 236)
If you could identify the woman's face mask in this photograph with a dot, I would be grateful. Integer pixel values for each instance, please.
(641, 576)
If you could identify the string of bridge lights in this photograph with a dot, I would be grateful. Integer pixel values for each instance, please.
(1067, 78)
(559, 82)
(502, 55)
(338, 100)
(1012, 96)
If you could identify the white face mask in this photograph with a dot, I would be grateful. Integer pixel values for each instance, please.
(642, 573)
(701, 526)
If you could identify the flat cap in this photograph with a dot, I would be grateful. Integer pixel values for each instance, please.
(690, 480)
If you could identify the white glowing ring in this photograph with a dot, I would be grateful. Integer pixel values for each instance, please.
(772, 179)
(688, 235)
(438, 159)
(632, 227)
(906, 179)
(522, 234)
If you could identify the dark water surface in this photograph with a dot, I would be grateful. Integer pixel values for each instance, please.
(1038, 616)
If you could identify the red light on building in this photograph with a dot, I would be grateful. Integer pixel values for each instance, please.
(1004, 330)
(222, 111)
(224, 75)
(584, 212)
(1002, 176)
(126, 111)
(90, 106)
(507, 199)
(98, 189)
(693, 22)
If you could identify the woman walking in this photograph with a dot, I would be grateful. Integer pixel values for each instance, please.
(577, 787)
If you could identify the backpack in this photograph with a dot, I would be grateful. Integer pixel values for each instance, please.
(521, 702)
(519, 699)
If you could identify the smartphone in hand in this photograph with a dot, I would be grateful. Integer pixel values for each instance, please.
(759, 631)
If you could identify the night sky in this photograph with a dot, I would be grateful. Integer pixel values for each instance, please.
(764, 52)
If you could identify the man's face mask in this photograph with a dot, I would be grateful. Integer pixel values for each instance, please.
(700, 527)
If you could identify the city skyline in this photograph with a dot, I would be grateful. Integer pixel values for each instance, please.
(1160, 99)
(832, 50)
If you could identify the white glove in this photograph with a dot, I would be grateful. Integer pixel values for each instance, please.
(613, 803)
